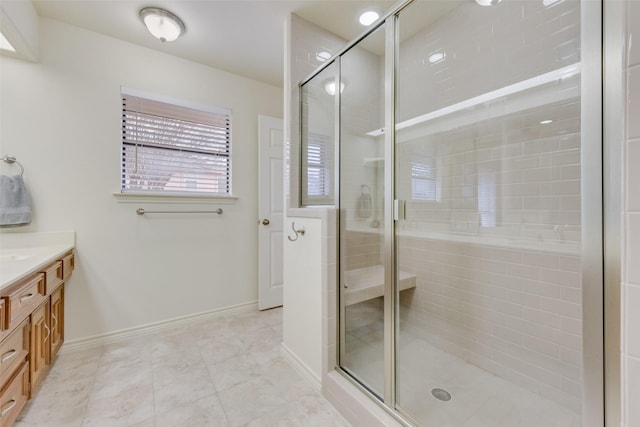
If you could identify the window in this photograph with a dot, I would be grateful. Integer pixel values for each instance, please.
(487, 198)
(171, 147)
(317, 169)
(423, 179)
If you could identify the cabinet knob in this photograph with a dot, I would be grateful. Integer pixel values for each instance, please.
(265, 222)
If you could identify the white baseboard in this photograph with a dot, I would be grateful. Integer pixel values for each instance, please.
(301, 367)
(111, 337)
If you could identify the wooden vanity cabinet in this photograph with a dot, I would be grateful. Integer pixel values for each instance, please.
(14, 396)
(57, 320)
(40, 354)
(14, 350)
(31, 334)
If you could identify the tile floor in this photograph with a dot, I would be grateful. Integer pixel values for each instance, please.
(224, 371)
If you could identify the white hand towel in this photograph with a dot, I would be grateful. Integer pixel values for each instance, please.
(15, 208)
(364, 202)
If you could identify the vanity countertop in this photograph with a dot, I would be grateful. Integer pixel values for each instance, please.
(25, 253)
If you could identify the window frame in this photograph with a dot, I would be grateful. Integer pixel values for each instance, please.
(167, 194)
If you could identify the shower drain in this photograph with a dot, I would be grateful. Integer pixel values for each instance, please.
(441, 394)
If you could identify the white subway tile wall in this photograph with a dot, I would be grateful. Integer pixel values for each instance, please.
(631, 232)
(497, 251)
(486, 49)
(523, 313)
(363, 249)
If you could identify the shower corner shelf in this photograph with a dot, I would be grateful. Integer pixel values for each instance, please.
(366, 283)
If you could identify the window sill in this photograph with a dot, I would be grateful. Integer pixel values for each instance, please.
(182, 199)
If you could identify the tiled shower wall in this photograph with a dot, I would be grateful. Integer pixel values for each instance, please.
(514, 312)
(363, 249)
(631, 221)
(486, 48)
(496, 250)
(534, 168)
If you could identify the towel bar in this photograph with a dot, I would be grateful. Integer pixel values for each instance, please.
(141, 211)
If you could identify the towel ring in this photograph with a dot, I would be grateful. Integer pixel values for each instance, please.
(11, 160)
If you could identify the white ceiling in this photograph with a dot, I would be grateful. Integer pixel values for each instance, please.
(244, 37)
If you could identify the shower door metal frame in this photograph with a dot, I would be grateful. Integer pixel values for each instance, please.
(613, 119)
(591, 193)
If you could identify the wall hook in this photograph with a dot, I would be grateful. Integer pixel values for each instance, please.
(297, 232)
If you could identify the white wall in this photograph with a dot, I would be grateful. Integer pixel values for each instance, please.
(61, 120)
(631, 226)
(309, 262)
(302, 329)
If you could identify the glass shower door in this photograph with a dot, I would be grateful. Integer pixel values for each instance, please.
(488, 250)
(362, 231)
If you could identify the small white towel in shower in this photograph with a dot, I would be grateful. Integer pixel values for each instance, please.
(15, 208)
(364, 202)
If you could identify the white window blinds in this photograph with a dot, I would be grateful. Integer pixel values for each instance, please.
(318, 166)
(174, 148)
(423, 179)
(317, 160)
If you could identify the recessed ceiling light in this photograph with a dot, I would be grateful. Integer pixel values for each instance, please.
(546, 122)
(330, 87)
(322, 56)
(369, 17)
(487, 2)
(437, 57)
(4, 44)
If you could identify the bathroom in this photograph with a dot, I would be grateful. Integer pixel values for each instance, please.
(60, 119)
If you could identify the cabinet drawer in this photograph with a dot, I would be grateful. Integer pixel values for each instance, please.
(14, 397)
(13, 351)
(68, 264)
(25, 298)
(53, 277)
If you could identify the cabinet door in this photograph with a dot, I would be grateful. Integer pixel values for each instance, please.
(57, 320)
(40, 345)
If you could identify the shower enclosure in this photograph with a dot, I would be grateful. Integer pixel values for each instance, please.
(461, 144)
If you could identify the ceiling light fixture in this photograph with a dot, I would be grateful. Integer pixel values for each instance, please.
(322, 56)
(369, 17)
(162, 24)
(437, 57)
(488, 2)
(330, 87)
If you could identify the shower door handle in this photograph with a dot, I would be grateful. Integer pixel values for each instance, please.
(398, 210)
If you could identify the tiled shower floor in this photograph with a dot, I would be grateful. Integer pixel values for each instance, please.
(479, 399)
(224, 371)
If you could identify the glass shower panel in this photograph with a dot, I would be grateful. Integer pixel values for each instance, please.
(317, 148)
(488, 252)
(361, 211)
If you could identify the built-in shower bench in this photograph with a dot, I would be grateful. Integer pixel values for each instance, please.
(366, 283)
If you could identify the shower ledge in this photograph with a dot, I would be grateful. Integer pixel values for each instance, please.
(366, 283)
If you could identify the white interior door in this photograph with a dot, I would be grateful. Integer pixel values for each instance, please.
(270, 211)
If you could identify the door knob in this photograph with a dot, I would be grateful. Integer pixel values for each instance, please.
(265, 222)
